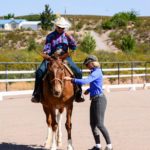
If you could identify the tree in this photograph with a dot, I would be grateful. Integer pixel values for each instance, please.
(46, 17)
(88, 44)
(9, 16)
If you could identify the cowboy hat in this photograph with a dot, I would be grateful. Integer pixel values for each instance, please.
(62, 22)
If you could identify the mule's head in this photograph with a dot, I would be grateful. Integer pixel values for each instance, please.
(56, 75)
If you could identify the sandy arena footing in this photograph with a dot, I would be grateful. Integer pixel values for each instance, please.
(23, 125)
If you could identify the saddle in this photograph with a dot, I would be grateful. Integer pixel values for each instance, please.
(77, 88)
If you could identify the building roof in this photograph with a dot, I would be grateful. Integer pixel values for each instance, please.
(30, 22)
(5, 21)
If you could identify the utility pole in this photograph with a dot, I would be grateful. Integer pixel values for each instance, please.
(65, 12)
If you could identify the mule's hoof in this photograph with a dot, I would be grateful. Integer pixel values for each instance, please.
(59, 144)
(53, 148)
(69, 147)
(47, 146)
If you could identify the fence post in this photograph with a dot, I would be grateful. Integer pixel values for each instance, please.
(118, 73)
(82, 67)
(145, 72)
(6, 76)
(101, 66)
(132, 72)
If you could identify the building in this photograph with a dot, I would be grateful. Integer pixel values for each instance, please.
(34, 25)
(12, 24)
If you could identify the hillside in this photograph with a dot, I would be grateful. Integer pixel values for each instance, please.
(107, 40)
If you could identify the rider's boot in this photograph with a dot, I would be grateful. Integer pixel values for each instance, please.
(79, 98)
(36, 96)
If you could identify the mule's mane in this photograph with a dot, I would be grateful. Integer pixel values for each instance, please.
(60, 63)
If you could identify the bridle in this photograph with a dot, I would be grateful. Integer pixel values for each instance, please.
(61, 81)
(57, 79)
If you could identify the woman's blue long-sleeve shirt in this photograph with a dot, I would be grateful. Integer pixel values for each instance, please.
(95, 79)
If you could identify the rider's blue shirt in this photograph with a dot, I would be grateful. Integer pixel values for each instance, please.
(95, 79)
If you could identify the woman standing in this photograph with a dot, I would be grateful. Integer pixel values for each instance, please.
(98, 101)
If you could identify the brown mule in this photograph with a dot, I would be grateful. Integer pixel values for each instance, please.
(58, 94)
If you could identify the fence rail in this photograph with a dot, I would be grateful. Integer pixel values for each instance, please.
(6, 73)
(111, 70)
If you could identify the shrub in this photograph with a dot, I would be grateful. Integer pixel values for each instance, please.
(127, 43)
(88, 44)
(120, 20)
(31, 44)
(107, 25)
(132, 15)
(79, 25)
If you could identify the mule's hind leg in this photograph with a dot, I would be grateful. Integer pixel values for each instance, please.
(59, 131)
(69, 126)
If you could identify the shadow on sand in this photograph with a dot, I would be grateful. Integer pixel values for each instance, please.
(14, 146)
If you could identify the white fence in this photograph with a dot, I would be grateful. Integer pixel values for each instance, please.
(117, 73)
(84, 71)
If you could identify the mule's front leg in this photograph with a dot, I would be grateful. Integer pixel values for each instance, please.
(54, 145)
(47, 143)
(59, 132)
(54, 128)
(68, 127)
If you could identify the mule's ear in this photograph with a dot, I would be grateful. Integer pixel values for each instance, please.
(49, 58)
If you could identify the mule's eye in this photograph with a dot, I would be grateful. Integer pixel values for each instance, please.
(51, 74)
(60, 70)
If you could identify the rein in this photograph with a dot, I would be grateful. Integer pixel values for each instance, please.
(61, 81)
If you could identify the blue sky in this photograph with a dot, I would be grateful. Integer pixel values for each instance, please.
(82, 7)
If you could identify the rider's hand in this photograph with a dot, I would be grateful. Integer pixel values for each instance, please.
(68, 34)
(45, 56)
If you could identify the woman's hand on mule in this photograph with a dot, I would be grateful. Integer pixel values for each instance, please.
(67, 78)
(86, 92)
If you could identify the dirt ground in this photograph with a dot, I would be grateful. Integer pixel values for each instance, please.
(23, 126)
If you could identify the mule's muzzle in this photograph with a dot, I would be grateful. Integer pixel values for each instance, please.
(57, 94)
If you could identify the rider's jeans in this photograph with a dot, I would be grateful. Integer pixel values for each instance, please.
(43, 68)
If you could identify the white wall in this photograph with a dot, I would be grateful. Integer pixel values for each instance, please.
(34, 25)
(10, 26)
